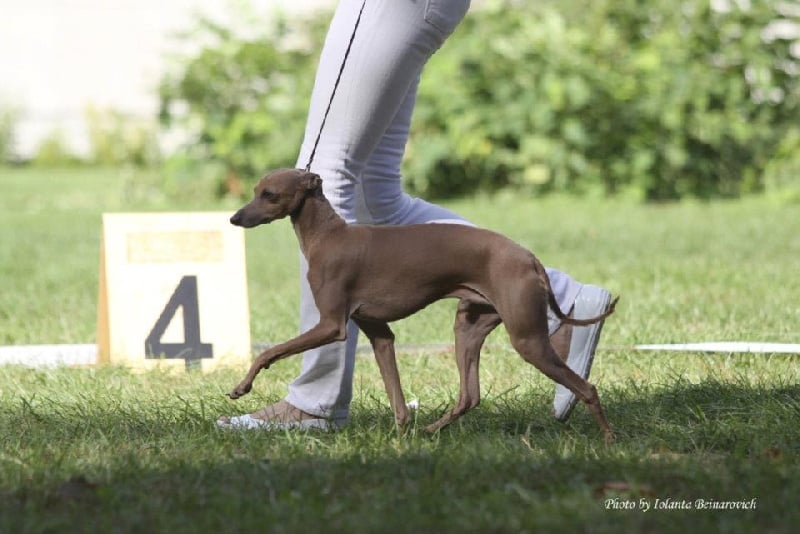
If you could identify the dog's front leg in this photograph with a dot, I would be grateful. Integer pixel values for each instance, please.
(382, 340)
(326, 331)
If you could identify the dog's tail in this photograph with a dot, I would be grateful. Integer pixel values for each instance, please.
(551, 298)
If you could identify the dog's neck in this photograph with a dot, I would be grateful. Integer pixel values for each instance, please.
(313, 219)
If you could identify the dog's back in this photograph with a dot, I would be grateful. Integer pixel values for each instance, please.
(437, 260)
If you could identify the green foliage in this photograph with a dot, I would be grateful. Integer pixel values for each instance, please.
(782, 174)
(243, 99)
(662, 99)
(53, 151)
(671, 100)
(9, 116)
(118, 139)
(115, 140)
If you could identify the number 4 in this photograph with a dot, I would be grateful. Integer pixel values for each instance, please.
(192, 349)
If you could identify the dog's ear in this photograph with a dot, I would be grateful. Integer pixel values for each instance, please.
(312, 181)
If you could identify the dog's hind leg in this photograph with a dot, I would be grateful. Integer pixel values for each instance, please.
(538, 351)
(382, 340)
(474, 321)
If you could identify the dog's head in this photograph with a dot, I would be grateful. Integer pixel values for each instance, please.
(276, 195)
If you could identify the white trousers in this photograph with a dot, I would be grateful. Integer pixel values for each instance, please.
(360, 152)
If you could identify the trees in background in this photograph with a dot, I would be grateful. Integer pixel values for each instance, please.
(659, 99)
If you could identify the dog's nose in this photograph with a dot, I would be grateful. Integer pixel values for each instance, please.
(236, 218)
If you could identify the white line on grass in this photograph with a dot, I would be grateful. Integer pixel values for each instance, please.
(48, 355)
(749, 347)
(86, 354)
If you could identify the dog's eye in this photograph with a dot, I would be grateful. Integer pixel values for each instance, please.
(269, 195)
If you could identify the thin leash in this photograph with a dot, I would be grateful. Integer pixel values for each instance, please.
(335, 86)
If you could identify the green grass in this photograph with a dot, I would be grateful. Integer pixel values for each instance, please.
(109, 450)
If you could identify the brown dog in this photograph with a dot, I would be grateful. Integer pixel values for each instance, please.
(375, 275)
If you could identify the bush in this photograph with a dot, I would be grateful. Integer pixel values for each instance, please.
(660, 98)
(119, 139)
(668, 99)
(8, 121)
(244, 100)
(53, 151)
(782, 173)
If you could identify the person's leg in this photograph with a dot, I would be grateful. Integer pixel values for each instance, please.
(393, 42)
(359, 159)
(380, 198)
(326, 376)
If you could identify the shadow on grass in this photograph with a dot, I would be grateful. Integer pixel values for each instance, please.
(506, 466)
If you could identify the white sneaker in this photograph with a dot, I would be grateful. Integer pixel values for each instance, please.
(591, 301)
(280, 416)
(248, 422)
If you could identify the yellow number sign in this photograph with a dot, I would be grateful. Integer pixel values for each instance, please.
(173, 291)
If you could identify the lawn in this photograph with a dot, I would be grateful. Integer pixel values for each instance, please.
(105, 449)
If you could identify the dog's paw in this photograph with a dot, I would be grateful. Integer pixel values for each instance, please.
(240, 391)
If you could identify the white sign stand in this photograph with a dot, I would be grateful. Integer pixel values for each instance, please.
(173, 292)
